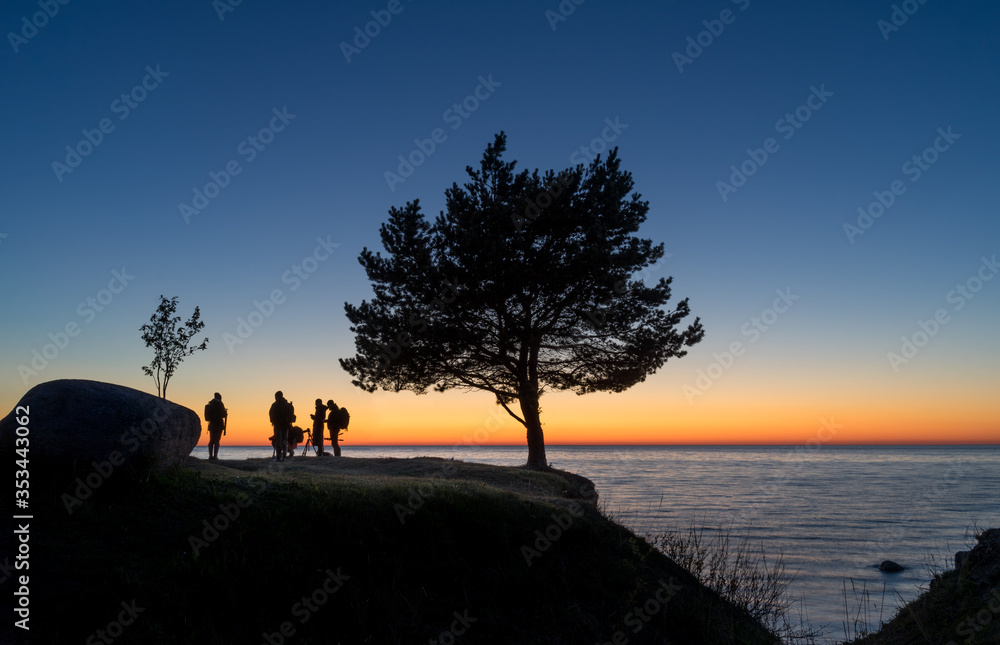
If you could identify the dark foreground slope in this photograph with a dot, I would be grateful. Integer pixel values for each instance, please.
(961, 606)
(357, 551)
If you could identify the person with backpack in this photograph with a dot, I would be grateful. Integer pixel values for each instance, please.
(216, 415)
(319, 418)
(295, 436)
(282, 416)
(337, 421)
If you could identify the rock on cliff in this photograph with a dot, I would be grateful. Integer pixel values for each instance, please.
(74, 424)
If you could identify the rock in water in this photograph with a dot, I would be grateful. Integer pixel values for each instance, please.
(78, 425)
(889, 566)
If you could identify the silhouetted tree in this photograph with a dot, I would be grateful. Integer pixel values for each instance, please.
(524, 284)
(169, 342)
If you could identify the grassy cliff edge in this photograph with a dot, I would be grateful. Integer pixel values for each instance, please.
(347, 550)
(960, 606)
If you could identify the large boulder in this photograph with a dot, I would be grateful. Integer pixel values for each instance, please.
(75, 426)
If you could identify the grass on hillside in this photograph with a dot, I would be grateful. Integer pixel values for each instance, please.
(362, 551)
(959, 606)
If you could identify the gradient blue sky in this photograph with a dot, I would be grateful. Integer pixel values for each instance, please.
(323, 176)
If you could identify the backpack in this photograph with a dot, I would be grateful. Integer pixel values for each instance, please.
(345, 419)
(213, 411)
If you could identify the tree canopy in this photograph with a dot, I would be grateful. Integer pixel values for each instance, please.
(169, 341)
(524, 284)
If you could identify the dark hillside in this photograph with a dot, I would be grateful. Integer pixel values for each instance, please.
(360, 551)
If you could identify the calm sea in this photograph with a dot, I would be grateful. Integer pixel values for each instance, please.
(833, 511)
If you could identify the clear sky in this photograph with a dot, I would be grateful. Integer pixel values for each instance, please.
(221, 153)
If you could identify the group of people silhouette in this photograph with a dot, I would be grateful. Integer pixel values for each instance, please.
(287, 436)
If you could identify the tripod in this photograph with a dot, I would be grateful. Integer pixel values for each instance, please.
(309, 442)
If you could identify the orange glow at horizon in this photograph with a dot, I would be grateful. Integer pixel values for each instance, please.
(774, 403)
(469, 419)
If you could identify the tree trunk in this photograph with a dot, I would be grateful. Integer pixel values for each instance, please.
(533, 423)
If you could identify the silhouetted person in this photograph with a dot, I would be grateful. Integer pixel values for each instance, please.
(282, 415)
(333, 424)
(216, 415)
(295, 436)
(319, 417)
